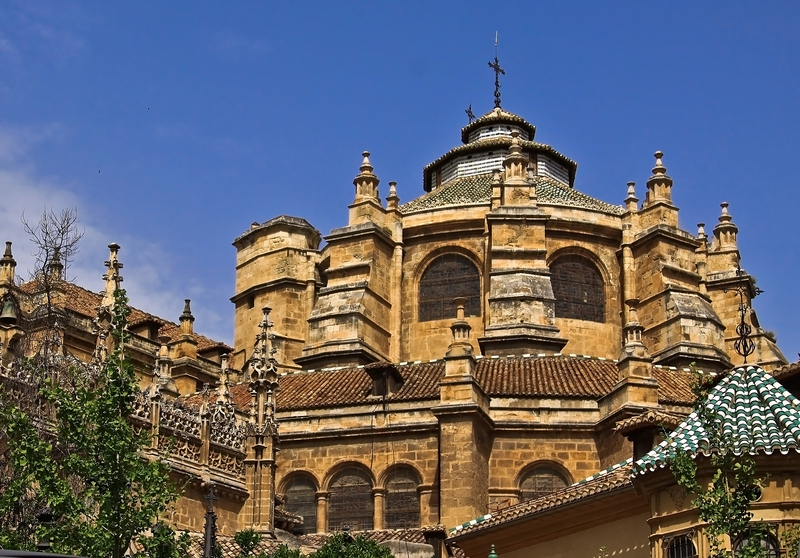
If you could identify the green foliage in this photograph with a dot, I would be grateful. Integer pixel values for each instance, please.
(247, 540)
(790, 540)
(284, 551)
(164, 543)
(342, 545)
(87, 467)
(723, 500)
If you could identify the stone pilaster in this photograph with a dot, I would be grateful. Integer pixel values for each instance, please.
(521, 305)
(465, 431)
(262, 434)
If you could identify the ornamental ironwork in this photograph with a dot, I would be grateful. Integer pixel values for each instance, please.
(578, 288)
(448, 277)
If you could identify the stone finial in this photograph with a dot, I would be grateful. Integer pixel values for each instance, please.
(497, 177)
(56, 266)
(111, 276)
(701, 231)
(633, 330)
(393, 200)
(460, 345)
(492, 553)
(659, 186)
(7, 266)
(631, 201)
(186, 319)
(659, 168)
(725, 232)
(223, 391)
(366, 182)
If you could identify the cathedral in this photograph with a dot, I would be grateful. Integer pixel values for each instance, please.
(491, 342)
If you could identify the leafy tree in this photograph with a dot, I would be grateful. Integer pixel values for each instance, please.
(342, 545)
(248, 540)
(83, 459)
(164, 543)
(723, 501)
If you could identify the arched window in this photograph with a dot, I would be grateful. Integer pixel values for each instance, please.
(681, 547)
(301, 500)
(541, 481)
(401, 507)
(447, 277)
(768, 544)
(578, 288)
(350, 501)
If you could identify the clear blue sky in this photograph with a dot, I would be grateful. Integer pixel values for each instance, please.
(202, 117)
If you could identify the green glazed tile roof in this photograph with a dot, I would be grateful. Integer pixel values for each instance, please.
(757, 414)
(478, 190)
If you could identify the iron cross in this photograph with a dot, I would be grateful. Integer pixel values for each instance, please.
(497, 71)
(470, 114)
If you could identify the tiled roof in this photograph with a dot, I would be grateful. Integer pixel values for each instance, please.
(786, 372)
(493, 116)
(615, 477)
(756, 414)
(650, 418)
(528, 376)
(85, 302)
(478, 190)
(674, 386)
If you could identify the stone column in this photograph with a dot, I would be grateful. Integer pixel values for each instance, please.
(379, 496)
(322, 512)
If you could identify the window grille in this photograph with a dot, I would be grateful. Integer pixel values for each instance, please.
(578, 288)
(769, 546)
(350, 501)
(541, 481)
(681, 547)
(401, 507)
(301, 500)
(446, 278)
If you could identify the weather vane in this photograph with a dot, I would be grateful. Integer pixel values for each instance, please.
(743, 345)
(497, 71)
(470, 114)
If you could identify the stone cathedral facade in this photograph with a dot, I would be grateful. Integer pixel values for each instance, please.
(438, 359)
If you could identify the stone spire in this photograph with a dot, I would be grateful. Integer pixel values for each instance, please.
(366, 182)
(56, 266)
(631, 201)
(460, 345)
(725, 232)
(633, 330)
(7, 266)
(223, 391)
(112, 276)
(163, 369)
(186, 319)
(517, 186)
(659, 186)
(393, 200)
(262, 431)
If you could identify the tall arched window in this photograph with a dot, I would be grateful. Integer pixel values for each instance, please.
(301, 500)
(768, 544)
(401, 507)
(541, 481)
(578, 288)
(350, 501)
(447, 277)
(681, 547)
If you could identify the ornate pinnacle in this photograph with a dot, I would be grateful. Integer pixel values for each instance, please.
(112, 276)
(497, 71)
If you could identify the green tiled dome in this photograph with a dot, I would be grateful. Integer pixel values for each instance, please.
(757, 415)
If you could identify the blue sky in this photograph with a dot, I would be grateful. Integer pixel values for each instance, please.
(203, 117)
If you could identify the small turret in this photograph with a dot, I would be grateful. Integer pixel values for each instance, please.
(7, 266)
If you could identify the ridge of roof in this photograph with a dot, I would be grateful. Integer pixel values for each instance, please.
(610, 478)
(477, 190)
(757, 415)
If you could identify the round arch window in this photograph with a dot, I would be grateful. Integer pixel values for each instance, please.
(350, 501)
(447, 277)
(541, 481)
(301, 492)
(578, 288)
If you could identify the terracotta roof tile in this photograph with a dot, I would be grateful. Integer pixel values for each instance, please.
(653, 418)
(85, 302)
(618, 476)
(551, 376)
(785, 372)
(674, 386)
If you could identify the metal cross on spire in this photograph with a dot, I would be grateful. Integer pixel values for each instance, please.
(470, 114)
(497, 71)
(743, 345)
